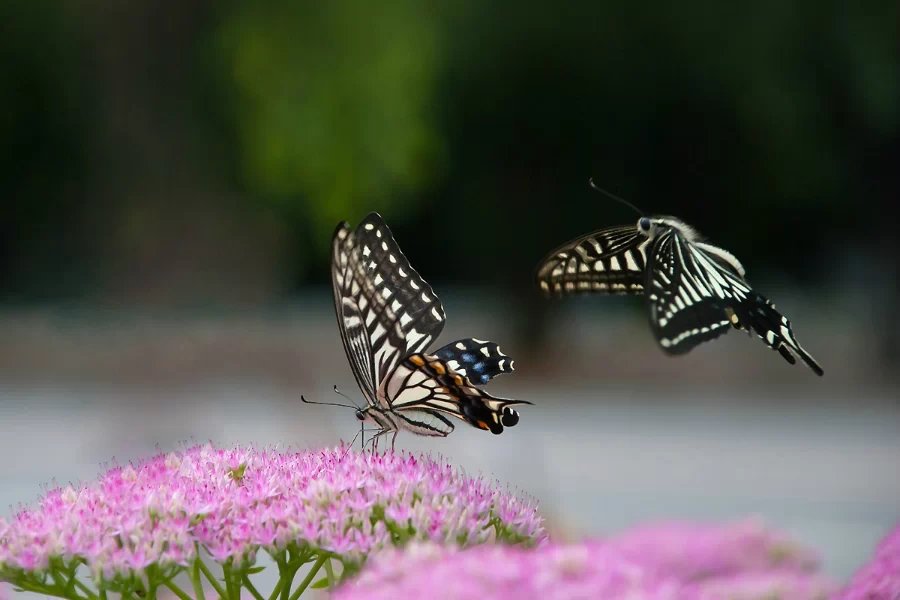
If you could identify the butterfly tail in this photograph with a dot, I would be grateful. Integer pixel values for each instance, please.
(775, 330)
(491, 413)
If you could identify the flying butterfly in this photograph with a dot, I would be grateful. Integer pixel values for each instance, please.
(388, 316)
(695, 291)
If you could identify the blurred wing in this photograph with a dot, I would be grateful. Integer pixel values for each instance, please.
(477, 360)
(351, 321)
(401, 312)
(609, 261)
(424, 383)
(694, 295)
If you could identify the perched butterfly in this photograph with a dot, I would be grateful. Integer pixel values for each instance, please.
(695, 291)
(388, 316)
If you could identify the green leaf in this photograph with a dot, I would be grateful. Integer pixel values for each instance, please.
(320, 584)
(255, 570)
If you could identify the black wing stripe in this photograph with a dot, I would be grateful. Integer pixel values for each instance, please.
(425, 422)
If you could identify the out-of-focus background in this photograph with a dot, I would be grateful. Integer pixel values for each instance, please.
(171, 174)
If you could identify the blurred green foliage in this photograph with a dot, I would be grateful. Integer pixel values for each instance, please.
(333, 101)
(473, 127)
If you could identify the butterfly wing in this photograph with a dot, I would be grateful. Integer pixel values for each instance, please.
(609, 261)
(477, 360)
(347, 290)
(401, 312)
(694, 295)
(424, 383)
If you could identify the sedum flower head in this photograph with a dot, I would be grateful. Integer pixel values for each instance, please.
(672, 561)
(880, 577)
(155, 516)
(691, 551)
(761, 585)
(559, 572)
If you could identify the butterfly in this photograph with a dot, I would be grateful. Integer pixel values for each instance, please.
(388, 316)
(695, 291)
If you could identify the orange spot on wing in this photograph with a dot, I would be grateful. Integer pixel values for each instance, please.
(417, 360)
(482, 425)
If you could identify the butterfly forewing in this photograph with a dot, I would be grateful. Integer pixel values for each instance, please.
(347, 288)
(402, 313)
(685, 309)
(609, 261)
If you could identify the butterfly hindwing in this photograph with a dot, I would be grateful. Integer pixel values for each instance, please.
(425, 382)
(478, 360)
(759, 315)
(609, 261)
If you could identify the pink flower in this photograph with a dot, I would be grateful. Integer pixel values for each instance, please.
(678, 561)
(234, 502)
(879, 579)
(555, 572)
(689, 551)
(772, 585)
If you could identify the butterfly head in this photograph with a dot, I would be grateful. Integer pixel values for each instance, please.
(360, 414)
(645, 226)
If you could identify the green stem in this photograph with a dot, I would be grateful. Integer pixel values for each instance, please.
(176, 590)
(276, 590)
(229, 583)
(38, 588)
(287, 578)
(196, 583)
(250, 587)
(87, 591)
(329, 570)
(309, 576)
(212, 580)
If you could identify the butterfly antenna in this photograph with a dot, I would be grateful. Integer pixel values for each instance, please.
(343, 395)
(353, 406)
(616, 198)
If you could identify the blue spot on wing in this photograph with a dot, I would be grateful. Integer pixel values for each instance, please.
(479, 361)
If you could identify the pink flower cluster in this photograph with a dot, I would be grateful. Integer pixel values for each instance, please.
(669, 562)
(692, 551)
(880, 578)
(234, 502)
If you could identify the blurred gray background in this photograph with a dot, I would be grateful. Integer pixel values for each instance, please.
(172, 174)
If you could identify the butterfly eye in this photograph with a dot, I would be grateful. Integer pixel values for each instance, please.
(360, 415)
(644, 224)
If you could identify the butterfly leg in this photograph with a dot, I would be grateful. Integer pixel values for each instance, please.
(394, 439)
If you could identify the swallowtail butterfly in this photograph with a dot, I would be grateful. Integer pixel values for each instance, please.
(695, 291)
(388, 316)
